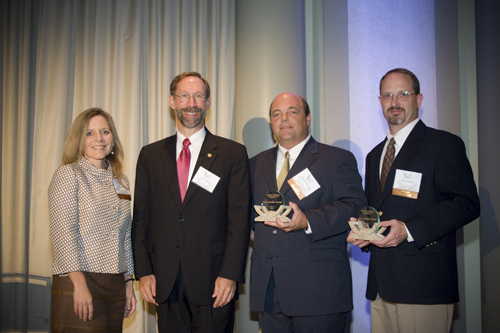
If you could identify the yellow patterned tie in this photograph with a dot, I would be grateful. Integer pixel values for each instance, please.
(284, 171)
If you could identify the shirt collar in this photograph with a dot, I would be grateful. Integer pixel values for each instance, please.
(196, 139)
(294, 152)
(87, 165)
(401, 136)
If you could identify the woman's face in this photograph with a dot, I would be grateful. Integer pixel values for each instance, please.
(98, 141)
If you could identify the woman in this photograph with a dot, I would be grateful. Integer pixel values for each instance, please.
(89, 206)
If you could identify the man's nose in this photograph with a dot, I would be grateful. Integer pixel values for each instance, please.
(191, 101)
(395, 100)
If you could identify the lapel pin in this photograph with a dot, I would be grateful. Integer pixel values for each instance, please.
(209, 155)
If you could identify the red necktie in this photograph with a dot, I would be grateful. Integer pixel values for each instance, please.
(183, 167)
(388, 159)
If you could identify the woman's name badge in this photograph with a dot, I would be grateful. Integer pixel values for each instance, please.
(205, 179)
(303, 184)
(121, 191)
(407, 183)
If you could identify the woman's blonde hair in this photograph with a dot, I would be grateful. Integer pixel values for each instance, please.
(74, 144)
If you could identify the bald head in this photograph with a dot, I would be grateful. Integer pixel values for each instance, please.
(305, 105)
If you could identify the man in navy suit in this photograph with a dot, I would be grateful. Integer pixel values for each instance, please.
(191, 218)
(300, 275)
(428, 193)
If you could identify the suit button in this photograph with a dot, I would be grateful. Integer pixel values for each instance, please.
(270, 256)
(181, 220)
(275, 232)
(178, 247)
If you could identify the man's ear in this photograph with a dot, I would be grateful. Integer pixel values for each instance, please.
(171, 101)
(208, 101)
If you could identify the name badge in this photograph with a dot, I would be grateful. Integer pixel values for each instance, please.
(303, 184)
(121, 191)
(205, 179)
(407, 183)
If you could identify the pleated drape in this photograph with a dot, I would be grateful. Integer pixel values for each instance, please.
(61, 57)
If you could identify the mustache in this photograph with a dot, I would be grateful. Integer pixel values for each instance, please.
(192, 109)
(395, 108)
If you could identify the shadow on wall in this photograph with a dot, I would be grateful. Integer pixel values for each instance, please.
(490, 238)
(356, 151)
(25, 303)
(490, 235)
(257, 136)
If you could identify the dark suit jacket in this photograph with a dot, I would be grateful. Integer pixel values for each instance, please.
(424, 271)
(208, 233)
(311, 272)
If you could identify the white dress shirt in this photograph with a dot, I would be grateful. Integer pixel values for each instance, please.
(400, 138)
(294, 153)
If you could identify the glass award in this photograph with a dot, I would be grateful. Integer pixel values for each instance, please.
(272, 206)
(367, 227)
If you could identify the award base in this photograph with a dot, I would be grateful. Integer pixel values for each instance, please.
(362, 233)
(267, 215)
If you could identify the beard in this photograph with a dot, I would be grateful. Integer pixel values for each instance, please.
(396, 120)
(190, 122)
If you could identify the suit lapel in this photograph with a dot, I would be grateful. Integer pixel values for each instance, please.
(208, 154)
(269, 168)
(376, 194)
(306, 157)
(168, 158)
(405, 155)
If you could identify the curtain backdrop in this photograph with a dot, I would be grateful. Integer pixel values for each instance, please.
(62, 57)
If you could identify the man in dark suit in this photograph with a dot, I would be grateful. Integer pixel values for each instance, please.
(191, 218)
(428, 193)
(300, 274)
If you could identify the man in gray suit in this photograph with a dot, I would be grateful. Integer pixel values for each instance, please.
(300, 277)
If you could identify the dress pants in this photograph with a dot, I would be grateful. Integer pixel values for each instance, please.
(178, 314)
(273, 320)
(390, 317)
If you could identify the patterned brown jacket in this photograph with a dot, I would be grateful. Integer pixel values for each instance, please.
(89, 223)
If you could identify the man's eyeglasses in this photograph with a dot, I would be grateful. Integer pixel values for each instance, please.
(402, 95)
(184, 98)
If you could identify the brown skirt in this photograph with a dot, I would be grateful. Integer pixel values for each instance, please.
(108, 299)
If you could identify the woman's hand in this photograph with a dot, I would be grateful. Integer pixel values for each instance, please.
(82, 298)
(130, 298)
